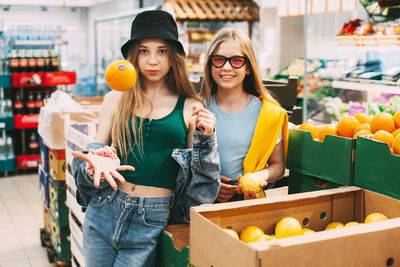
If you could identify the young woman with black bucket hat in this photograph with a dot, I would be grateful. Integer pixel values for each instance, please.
(154, 155)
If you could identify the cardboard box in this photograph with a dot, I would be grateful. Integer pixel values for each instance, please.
(373, 244)
(173, 246)
(299, 183)
(57, 164)
(44, 187)
(331, 160)
(51, 123)
(376, 168)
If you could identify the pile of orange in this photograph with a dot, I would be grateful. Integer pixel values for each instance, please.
(290, 226)
(383, 127)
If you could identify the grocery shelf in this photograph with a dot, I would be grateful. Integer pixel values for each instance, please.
(366, 86)
(5, 80)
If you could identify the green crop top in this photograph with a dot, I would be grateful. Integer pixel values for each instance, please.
(156, 167)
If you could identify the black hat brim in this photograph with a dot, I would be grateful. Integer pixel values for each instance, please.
(125, 47)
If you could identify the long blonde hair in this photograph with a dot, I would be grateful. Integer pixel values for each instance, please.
(131, 102)
(252, 83)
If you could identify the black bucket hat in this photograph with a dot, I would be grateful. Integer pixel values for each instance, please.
(153, 24)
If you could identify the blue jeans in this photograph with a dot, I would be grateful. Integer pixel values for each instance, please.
(123, 230)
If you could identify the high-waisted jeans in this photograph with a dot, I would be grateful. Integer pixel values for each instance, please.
(123, 230)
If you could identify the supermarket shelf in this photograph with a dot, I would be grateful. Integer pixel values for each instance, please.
(366, 86)
(370, 42)
(5, 80)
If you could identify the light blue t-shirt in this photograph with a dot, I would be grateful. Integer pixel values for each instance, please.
(234, 135)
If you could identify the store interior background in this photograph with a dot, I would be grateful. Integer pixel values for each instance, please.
(277, 40)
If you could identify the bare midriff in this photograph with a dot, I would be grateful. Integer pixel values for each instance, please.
(143, 190)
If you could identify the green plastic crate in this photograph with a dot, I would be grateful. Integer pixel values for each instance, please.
(331, 160)
(168, 255)
(376, 168)
(60, 239)
(57, 197)
(299, 183)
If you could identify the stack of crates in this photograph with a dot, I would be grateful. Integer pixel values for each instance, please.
(78, 136)
(56, 233)
(316, 165)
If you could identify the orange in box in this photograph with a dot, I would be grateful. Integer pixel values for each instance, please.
(57, 164)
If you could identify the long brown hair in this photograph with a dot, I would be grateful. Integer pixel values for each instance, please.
(252, 83)
(131, 102)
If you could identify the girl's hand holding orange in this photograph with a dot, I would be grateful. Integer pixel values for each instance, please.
(120, 75)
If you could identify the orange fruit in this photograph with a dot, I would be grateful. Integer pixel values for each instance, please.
(326, 130)
(334, 225)
(351, 224)
(307, 231)
(287, 227)
(396, 118)
(362, 132)
(231, 232)
(383, 136)
(396, 132)
(382, 121)
(120, 75)
(251, 234)
(346, 126)
(396, 145)
(362, 126)
(375, 217)
(363, 118)
(310, 127)
(262, 238)
(251, 182)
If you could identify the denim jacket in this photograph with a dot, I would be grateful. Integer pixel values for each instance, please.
(197, 183)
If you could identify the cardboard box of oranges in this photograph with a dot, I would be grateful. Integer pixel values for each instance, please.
(376, 167)
(331, 159)
(369, 244)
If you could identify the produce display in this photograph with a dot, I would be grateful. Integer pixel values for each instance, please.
(383, 127)
(289, 227)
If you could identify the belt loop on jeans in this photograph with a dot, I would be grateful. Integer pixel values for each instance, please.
(140, 206)
(112, 195)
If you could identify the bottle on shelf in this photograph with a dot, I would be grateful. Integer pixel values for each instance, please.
(23, 60)
(40, 61)
(31, 103)
(10, 149)
(47, 60)
(18, 104)
(38, 100)
(32, 62)
(3, 149)
(13, 61)
(33, 144)
(54, 61)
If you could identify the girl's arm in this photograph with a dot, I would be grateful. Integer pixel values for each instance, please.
(276, 165)
(105, 168)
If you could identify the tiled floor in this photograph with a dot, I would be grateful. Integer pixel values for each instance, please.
(21, 217)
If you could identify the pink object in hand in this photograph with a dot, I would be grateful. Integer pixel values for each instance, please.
(106, 151)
